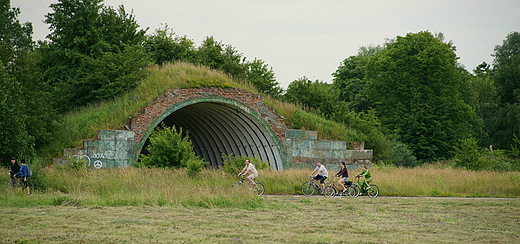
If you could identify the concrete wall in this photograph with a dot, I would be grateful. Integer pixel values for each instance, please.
(112, 149)
(305, 150)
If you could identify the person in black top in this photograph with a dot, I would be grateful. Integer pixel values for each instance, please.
(15, 168)
(343, 173)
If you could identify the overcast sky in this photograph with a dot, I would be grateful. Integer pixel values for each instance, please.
(311, 38)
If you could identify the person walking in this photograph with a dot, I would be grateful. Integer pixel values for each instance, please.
(343, 173)
(321, 174)
(252, 170)
(23, 174)
(15, 168)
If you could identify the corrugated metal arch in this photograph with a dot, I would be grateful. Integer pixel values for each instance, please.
(221, 126)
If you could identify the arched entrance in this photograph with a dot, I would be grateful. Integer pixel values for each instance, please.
(220, 126)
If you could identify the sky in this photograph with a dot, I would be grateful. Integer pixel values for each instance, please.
(311, 38)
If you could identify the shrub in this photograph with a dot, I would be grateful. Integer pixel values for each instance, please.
(470, 156)
(169, 149)
(401, 155)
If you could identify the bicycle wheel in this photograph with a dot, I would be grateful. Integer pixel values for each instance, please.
(307, 189)
(329, 191)
(258, 189)
(372, 191)
(353, 191)
(237, 184)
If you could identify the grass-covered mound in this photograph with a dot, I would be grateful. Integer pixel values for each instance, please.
(116, 113)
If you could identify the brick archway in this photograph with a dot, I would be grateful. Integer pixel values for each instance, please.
(219, 121)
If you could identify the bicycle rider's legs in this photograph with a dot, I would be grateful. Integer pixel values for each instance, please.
(341, 182)
(251, 179)
(366, 182)
(321, 178)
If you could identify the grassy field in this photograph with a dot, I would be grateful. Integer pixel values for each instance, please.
(278, 219)
(141, 205)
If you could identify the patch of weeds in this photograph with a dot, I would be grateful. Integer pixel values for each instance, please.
(305, 200)
(63, 201)
(161, 201)
(349, 207)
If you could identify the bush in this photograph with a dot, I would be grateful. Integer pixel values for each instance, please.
(470, 156)
(401, 155)
(234, 164)
(169, 149)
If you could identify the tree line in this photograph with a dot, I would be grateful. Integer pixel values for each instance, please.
(408, 99)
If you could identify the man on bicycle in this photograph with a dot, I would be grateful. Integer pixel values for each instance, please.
(321, 174)
(252, 170)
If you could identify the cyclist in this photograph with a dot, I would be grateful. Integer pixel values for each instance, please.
(343, 173)
(321, 174)
(367, 175)
(252, 170)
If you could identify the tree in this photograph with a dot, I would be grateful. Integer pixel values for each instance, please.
(20, 62)
(94, 53)
(262, 77)
(317, 96)
(14, 139)
(506, 75)
(226, 58)
(416, 85)
(507, 68)
(165, 47)
(350, 80)
(15, 38)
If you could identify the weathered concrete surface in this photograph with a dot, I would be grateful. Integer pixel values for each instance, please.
(113, 149)
(309, 151)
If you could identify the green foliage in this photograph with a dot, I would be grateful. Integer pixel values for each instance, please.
(416, 85)
(169, 149)
(501, 161)
(234, 164)
(325, 128)
(507, 68)
(165, 47)
(402, 156)
(469, 155)
(14, 139)
(262, 77)
(507, 121)
(350, 79)
(318, 96)
(95, 52)
(38, 180)
(77, 162)
(219, 56)
(15, 37)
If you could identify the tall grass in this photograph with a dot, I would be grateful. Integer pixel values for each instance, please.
(212, 188)
(446, 182)
(143, 186)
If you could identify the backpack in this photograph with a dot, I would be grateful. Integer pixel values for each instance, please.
(29, 172)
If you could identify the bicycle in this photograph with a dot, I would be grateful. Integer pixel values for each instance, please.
(370, 190)
(309, 187)
(258, 188)
(350, 190)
